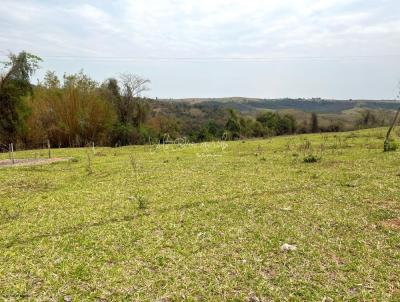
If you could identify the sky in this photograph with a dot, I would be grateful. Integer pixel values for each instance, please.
(343, 49)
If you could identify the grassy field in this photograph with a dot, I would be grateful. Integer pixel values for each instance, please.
(205, 222)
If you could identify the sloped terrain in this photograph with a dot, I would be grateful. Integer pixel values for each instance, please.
(206, 222)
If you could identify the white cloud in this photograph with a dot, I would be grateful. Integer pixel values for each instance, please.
(201, 29)
(173, 28)
(249, 28)
(96, 18)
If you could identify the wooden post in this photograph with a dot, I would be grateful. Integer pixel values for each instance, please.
(12, 153)
(93, 147)
(48, 148)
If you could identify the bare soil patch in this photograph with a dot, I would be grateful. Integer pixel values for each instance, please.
(392, 223)
(29, 162)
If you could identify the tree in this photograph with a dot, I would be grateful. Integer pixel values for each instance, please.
(212, 128)
(286, 124)
(14, 85)
(133, 85)
(314, 123)
(277, 124)
(368, 119)
(268, 120)
(387, 146)
(71, 114)
(233, 124)
(259, 130)
(163, 125)
(125, 94)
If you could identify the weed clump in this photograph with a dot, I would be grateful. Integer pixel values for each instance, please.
(308, 152)
(134, 164)
(7, 215)
(390, 145)
(89, 168)
(311, 158)
(142, 201)
(305, 145)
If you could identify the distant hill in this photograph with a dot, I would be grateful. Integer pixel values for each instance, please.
(333, 115)
(247, 105)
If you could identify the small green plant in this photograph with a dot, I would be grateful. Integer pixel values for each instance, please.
(311, 158)
(7, 215)
(305, 145)
(259, 151)
(89, 168)
(390, 145)
(135, 166)
(142, 201)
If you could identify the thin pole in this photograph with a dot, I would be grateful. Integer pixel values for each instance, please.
(12, 153)
(48, 148)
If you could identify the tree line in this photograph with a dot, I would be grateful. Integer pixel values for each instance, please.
(76, 110)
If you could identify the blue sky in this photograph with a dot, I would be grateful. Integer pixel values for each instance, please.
(215, 48)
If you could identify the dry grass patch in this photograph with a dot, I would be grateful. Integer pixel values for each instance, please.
(392, 224)
(29, 162)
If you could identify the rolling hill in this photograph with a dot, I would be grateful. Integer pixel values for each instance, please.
(318, 105)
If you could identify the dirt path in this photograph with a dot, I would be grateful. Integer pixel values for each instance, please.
(29, 162)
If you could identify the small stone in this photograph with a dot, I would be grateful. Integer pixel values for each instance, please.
(67, 298)
(288, 247)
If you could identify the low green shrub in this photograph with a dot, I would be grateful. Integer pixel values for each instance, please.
(390, 145)
(311, 158)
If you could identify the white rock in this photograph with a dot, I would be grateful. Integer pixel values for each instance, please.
(288, 247)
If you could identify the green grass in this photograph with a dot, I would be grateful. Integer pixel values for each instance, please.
(205, 222)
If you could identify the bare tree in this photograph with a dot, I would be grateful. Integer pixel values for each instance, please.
(127, 98)
(133, 85)
(314, 123)
(386, 144)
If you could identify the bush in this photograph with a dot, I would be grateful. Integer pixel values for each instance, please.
(121, 134)
(390, 145)
(142, 201)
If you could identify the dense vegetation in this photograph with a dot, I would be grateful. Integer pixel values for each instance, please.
(205, 222)
(77, 111)
(307, 105)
